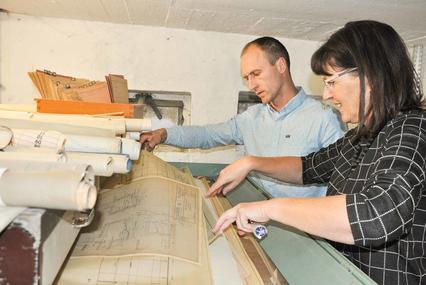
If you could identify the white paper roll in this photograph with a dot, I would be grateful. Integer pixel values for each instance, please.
(133, 135)
(102, 163)
(93, 144)
(33, 156)
(118, 125)
(60, 127)
(66, 190)
(5, 136)
(7, 214)
(3, 169)
(19, 107)
(38, 139)
(131, 147)
(87, 173)
(138, 125)
(43, 166)
(121, 164)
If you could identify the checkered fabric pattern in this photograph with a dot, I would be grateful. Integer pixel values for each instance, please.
(386, 197)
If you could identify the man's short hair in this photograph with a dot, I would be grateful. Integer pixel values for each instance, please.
(273, 48)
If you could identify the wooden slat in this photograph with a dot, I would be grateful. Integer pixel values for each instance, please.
(90, 108)
(254, 264)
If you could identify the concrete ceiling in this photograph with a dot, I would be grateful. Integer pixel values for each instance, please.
(299, 19)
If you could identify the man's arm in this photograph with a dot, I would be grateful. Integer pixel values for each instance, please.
(195, 136)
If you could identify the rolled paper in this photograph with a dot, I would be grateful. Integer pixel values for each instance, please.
(19, 107)
(86, 170)
(43, 166)
(33, 156)
(102, 164)
(5, 136)
(65, 190)
(57, 126)
(7, 214)
(93, 144)
(133, 135)
(38, 139)
(117, 125)
(131, 147)
(21, 150)
(138, 125)
(121, 164)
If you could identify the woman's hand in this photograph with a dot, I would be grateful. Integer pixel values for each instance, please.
(246, 216)
(230, 176)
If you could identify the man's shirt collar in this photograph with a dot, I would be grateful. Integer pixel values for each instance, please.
(291, 105)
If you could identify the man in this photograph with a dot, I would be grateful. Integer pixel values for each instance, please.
(287, 123)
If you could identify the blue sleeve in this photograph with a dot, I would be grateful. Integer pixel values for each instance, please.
(205, 136)
(331, 128)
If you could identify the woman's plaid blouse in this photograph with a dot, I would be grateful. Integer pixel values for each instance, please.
(385, 197)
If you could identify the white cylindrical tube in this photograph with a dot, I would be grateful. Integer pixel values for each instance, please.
(131, 147)
(121, 164)
(118, 125)
(93, 144)
(66, 190)
(102, 163)
(5, 136)
(57, 126)
(138, 125)
(38, 139)
(27, 155)
(133, 135)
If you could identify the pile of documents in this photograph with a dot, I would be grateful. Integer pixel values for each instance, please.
(51, 160)
(150, 230)
(61, 87)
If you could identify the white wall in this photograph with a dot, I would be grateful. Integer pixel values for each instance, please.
(206, 64)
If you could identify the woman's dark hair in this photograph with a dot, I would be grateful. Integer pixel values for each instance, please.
(380, 55)
(273, 48)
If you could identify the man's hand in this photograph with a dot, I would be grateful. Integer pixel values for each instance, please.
(151, 139)
(230, 177)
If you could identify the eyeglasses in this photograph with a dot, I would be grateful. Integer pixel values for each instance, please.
(329, 83)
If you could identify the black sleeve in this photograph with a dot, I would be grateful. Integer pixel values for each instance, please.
(384, 209)
(318, 166)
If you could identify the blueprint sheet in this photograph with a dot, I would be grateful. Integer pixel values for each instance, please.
(145, 217)
(148, 229)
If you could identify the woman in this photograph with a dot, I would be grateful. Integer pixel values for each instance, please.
(375, 209)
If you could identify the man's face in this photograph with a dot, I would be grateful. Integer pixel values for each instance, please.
(260, 75)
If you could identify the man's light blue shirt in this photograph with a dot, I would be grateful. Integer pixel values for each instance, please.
(303, 126)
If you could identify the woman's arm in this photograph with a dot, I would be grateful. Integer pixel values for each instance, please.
(325, 217)
(286, 168)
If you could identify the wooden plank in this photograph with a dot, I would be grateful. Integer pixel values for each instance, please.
(118, 89)
(90, 108)
(254, 264)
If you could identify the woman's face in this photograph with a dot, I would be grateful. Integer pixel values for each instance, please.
(342, 88)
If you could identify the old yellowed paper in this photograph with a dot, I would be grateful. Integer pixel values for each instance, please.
(145, 217)
(143, 270)
(148, 165)
(149, 230)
